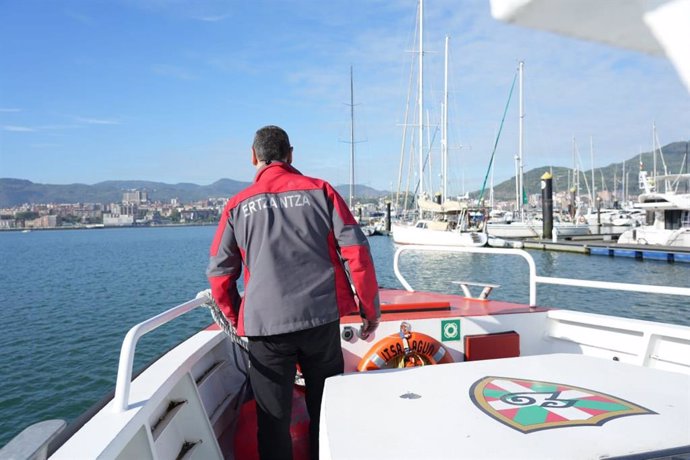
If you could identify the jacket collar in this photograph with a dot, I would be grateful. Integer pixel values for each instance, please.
(275, 168)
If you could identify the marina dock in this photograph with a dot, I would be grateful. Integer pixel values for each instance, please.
(606, 245)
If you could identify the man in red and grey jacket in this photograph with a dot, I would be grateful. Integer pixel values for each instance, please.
(302, 252)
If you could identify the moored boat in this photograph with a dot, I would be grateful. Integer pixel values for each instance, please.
(442, 220)
(667, 222)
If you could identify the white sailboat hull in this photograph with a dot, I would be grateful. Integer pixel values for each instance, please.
(535, 230)
(403, 234)
(514, 230)
(570, 229)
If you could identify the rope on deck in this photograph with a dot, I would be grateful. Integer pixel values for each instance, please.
(220, 319)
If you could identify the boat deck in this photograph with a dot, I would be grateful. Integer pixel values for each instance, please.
(400, 305)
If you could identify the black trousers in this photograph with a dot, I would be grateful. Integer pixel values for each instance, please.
(273, 361)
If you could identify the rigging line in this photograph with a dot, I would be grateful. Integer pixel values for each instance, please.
(498, 136)
(410, 86)
(426, 160)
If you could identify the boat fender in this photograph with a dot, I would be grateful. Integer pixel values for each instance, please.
(406, 349)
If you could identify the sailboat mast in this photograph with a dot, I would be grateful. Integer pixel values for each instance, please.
(615, 184)
(576, 176)
(625, 184)
(352, 138)
(654, 153)
(591, 155)
(444, 136)
(420, 97)
(518, 165)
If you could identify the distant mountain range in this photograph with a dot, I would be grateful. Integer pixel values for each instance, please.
(14, 192)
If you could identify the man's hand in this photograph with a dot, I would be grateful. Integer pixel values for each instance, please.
(367, 327)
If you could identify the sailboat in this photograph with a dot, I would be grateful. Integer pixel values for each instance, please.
(520, 225)
(441, 221)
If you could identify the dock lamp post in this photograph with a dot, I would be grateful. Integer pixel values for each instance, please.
(388, 216)
(547, 205)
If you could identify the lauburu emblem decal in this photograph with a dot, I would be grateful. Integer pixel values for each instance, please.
(529, 405)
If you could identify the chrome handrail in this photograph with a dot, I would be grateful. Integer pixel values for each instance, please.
(472, 250)
(533, 277)
(124, 370)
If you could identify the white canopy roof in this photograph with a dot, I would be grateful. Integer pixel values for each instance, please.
(660, 27)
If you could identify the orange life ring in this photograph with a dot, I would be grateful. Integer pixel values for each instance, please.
(390, 352)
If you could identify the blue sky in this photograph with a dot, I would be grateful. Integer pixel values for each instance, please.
(173, 90)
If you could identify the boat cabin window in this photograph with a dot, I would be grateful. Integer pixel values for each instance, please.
(675, 218)
(421, 225)
(649, 217)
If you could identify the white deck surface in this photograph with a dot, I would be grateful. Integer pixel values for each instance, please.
(363, 415)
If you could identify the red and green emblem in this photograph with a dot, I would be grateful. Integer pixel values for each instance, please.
(529, 405)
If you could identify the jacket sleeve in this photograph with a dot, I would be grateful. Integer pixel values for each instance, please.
(224, 268)
(354, 249)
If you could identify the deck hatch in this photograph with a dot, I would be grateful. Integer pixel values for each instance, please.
(492, 346)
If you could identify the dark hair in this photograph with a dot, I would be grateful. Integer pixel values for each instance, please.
(271, 143)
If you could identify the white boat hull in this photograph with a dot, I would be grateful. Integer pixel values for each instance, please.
(403, 234)
(535, 230)
(515, 230)
(568, 229)
(649, 235)
(668, 221)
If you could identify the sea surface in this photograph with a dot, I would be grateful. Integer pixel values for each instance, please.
(67, 299)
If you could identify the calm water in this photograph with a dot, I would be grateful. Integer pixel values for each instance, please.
(67, 298)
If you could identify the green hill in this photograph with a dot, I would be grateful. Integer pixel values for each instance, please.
(676, 156)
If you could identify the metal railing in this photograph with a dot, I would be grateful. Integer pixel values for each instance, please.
(534, 279)
(124, 370)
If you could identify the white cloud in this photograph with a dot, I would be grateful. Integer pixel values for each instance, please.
(96, 121)
(213, 18)
(55, 127)
(200, 10)
(18, 129)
